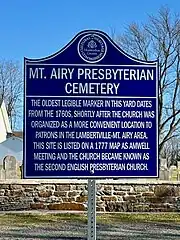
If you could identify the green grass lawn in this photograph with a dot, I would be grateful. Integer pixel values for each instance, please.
(103, 218)
(140, 217)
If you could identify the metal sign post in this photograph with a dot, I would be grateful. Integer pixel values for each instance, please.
(91, 209)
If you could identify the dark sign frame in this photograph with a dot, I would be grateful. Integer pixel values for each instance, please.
(93, 55)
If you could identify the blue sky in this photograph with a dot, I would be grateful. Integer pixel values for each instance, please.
(36, 28)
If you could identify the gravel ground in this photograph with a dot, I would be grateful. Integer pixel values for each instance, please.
(77, 231)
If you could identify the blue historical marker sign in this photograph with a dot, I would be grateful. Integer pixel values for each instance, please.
(90, 112)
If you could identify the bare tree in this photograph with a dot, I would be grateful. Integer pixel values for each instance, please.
(11, 89)
(171, 151)
(159, 39)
